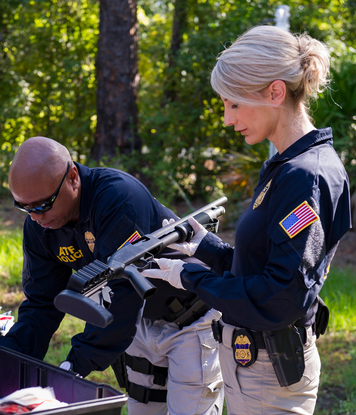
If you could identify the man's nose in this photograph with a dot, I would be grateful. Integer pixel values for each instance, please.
(36, 216)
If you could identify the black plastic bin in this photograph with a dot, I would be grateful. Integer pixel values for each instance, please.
(18, 371)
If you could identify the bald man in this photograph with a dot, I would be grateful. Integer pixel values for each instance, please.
(34, 173)
(76, 215)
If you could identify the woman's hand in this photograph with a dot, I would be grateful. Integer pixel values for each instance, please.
(169, 271)
(189, 248)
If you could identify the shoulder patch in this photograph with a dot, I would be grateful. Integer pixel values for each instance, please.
(297, 220)
(132, 238)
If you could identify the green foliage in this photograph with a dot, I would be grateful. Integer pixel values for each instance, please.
(185, 136)
(47, 74)
(337, 294)
(338, 347)
(48, 83)
(181, 135)
(337, 108)
(11, 258)
(338, 382)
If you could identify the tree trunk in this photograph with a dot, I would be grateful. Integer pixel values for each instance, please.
(179, 25)
(118, 79)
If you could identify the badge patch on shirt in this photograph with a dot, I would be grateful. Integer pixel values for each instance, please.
(300, 218)
(262, 195)
(132, 238)
(90, 240)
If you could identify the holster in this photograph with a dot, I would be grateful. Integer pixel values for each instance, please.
(285, 351)
(119, 368)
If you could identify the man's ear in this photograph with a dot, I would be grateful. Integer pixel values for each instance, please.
(277, 91)
(74, 177)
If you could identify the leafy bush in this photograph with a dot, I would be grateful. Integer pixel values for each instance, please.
(11, 258)
(337, 108)
(48, 85)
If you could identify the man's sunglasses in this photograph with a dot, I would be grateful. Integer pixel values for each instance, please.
(45, 206)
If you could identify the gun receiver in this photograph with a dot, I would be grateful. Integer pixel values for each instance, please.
(88, 297)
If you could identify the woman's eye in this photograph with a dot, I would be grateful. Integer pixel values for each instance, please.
(234, 106)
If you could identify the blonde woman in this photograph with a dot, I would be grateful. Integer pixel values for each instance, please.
(267, 286)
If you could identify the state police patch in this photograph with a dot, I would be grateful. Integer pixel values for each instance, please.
(297, 220)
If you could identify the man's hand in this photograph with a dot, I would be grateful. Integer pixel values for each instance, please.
(169, 271)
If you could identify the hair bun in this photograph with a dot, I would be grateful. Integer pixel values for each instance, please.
(266, 53)
(314, 61)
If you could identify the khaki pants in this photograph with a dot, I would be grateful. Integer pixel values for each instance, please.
(255, 390)
(194, 383)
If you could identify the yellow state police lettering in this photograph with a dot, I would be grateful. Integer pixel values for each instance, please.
(69, 254)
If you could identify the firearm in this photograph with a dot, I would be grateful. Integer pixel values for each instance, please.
(88, 297)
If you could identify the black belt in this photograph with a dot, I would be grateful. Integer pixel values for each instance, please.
(145, 395)
(142, 365)
(141, 393)
(217, 328)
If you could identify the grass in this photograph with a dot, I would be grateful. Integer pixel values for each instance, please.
(11, 257)
(337, 347)
(339, 294)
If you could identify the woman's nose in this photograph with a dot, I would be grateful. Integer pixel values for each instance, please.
(228, 119)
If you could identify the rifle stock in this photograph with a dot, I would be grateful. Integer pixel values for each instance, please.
(88, 297)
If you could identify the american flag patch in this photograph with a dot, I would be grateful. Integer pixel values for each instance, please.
(298, 219)
(132, 238)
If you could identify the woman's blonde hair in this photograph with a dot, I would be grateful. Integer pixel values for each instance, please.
(267, 53)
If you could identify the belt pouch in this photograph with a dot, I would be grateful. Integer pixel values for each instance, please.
(285, 351)
(243, 348)
(321, 318)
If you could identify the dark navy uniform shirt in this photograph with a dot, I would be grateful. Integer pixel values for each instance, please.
(284, 243)
(114, 207)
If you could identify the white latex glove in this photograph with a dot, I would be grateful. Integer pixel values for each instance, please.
(189, 248)
(166, 222)
(169, 271)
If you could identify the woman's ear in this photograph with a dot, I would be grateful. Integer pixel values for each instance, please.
(277, 91)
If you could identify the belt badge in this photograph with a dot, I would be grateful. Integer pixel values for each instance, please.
(244, 349)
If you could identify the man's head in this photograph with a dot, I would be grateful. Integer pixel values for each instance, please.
(44, 181)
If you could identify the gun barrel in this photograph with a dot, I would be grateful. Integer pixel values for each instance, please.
(155, 242)
(167, 229)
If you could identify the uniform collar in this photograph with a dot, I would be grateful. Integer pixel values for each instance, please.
(308, 140)
(85, 196)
